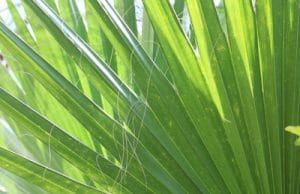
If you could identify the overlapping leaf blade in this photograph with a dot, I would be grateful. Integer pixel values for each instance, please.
(41, 175)
(202, 110)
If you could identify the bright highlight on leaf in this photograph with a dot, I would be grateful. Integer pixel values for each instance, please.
(293, 129)
(296, 131)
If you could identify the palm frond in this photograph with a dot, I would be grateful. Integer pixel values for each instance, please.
(149, 96)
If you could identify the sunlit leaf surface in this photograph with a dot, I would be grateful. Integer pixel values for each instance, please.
(149, 96)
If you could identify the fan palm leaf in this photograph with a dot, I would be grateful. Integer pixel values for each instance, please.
(182, 97)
